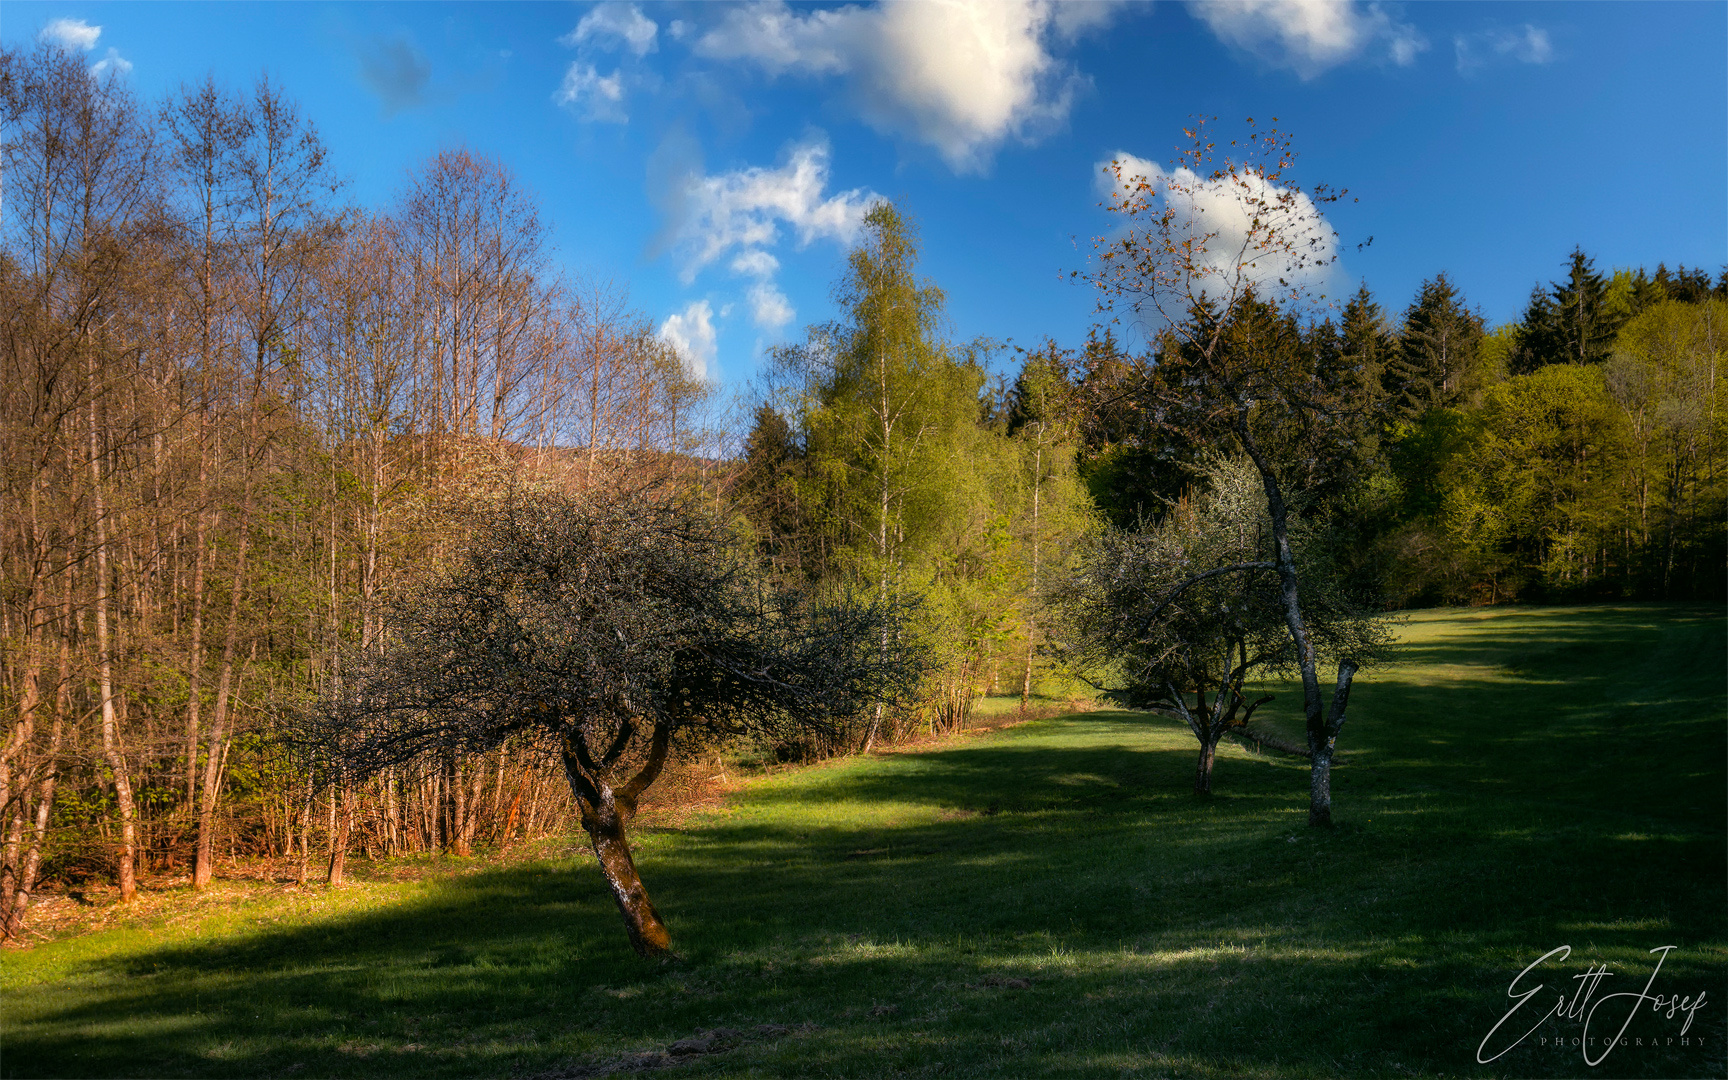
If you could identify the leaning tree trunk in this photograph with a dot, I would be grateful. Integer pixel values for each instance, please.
(605, 827)
(605, 812)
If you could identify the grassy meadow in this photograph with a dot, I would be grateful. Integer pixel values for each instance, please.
(1045, 901)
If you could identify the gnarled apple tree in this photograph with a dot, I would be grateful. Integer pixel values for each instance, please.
(603, 627)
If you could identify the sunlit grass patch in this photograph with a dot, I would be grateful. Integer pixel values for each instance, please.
(1048, 900)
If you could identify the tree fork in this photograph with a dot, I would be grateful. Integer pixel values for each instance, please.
(603, 820)
(1321, 744)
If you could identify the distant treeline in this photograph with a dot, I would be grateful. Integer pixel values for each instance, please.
(1576, 454)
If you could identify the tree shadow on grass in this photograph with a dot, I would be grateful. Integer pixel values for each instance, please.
(1585, 641)
(1238, 954)
(1204, 944)
(894, 905)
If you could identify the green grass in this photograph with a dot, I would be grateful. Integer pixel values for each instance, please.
(1520, 779)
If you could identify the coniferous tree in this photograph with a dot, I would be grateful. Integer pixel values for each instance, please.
(1042, 390)
(1537, 336)
(1585, 323)
(1436, 360)
(1128, 462)
(1354, 356)
(1365, 341)
(1689, 285)
(766, 492)
(1574, 322)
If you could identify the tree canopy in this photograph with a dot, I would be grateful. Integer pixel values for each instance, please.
(603, 627)
(1226, 297)
(1179, 614)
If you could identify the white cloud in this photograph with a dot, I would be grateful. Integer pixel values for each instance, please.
(73, 35)
(114, 62)
(1309, 36)
(769, 308)
(1218, 215)
(1072, 19)
(691, 332)
(745, 209)
(755, 264)
(959, 76)
(1403, 44)
(1532, 47)
(599, 98)
(622, 23)
(780, 40)
(1528, 44)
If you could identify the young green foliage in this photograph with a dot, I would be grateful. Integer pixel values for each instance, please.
(903, 482)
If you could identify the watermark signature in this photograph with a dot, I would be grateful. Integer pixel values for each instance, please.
(1580, 1007)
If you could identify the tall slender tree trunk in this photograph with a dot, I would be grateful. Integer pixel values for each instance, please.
(32, 862)
(1031, 621)
(338, 868)
(216, 751)
(476, 789)
(882, 529)
(125, 871)
(195, 631)
(23, 730)
(392, 814)
(306, 828)
(9, 868)
(456, 789)
(369, 578)
(30, 672)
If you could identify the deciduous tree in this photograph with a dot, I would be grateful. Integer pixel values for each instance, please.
(1202, 248)
(1153, 635)
(603, 628)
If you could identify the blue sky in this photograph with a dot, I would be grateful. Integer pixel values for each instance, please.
(715, 158)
